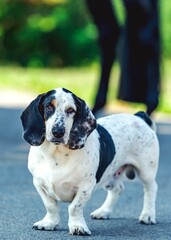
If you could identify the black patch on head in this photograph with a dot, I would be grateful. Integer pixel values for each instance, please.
(48, 106)
(107, 151)
(66, 90)
(84, 123)
(33, 120)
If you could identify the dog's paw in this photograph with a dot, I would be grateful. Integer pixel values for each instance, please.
(79, 229)
(100, 214)
(146, 218)
(45, 225)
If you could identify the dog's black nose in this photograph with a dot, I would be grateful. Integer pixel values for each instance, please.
(58, 132)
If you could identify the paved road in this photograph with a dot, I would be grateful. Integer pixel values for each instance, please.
(20, 205)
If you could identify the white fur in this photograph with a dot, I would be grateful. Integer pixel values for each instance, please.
(63, 174)
(63, 101)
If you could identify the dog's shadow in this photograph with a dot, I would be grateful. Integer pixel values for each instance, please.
(124, 228)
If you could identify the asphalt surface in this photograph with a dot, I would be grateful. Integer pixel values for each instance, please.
(20, 205)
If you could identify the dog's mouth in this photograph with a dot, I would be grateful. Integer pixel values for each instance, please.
(57, 141)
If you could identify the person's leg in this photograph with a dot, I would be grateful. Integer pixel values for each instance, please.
(104, 17)
(140, 54)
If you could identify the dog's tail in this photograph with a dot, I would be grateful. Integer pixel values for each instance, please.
(147, 119)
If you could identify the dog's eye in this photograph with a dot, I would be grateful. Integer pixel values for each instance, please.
(70, 110)
(49, 108)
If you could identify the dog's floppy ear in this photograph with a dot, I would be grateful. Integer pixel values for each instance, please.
(33, 122)
(84, 123)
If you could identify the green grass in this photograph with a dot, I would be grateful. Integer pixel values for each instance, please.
(82, 81)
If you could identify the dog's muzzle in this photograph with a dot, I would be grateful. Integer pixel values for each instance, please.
(58, 135)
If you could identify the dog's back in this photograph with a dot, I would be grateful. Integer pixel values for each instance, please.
(134, 139)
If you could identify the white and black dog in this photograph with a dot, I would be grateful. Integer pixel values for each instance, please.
(72, 154)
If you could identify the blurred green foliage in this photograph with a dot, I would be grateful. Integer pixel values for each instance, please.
(40, 33)
(34, 33)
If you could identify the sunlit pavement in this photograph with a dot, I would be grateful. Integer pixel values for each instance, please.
(20, 205)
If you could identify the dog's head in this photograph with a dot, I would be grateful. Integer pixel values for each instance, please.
(59, 116)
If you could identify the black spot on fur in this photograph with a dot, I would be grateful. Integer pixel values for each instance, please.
(107, 151)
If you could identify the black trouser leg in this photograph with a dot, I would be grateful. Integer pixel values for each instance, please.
(104, 17)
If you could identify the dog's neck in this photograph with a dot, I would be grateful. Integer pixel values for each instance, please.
(50, 148)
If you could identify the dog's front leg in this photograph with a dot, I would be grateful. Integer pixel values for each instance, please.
(77, 224)
(51, 219)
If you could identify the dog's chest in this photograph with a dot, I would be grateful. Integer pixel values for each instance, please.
(56, 178)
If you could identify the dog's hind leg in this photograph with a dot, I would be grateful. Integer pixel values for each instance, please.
(106, 209)
(147, 174)
(148, 215)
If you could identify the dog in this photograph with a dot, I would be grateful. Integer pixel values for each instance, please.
(73, 154)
